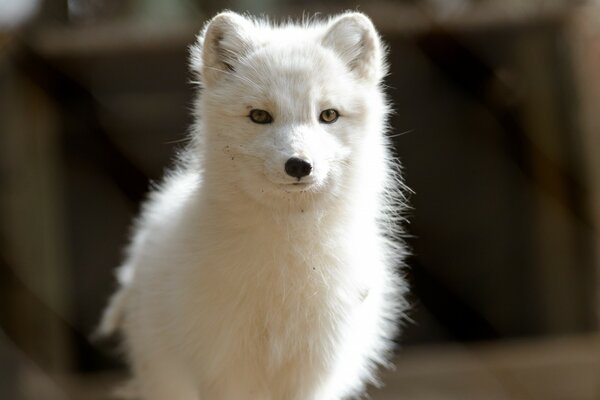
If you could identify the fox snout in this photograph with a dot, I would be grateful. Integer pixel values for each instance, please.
(298, 167)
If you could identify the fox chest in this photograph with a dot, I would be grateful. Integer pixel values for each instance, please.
(277, 304)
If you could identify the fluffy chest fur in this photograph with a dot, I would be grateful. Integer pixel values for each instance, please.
(265, 294)
(283, 280)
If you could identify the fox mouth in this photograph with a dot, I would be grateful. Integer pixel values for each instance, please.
(288, 184)
(309, 185)
(297, 186)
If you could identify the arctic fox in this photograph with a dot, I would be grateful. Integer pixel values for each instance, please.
(264, 267)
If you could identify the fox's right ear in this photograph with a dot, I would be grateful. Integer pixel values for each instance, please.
(223, 41)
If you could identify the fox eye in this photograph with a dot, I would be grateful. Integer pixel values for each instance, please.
(329, 116)
(260, 117)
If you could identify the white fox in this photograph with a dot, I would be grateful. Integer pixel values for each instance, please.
(264, 266)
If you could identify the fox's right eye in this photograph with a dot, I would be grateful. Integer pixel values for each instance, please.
(260, 116)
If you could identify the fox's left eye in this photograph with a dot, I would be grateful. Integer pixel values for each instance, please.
(329, 116)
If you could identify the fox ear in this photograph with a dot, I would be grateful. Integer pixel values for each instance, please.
(224, 40)
(354, 39)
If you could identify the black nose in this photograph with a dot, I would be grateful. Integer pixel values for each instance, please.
(297, 167)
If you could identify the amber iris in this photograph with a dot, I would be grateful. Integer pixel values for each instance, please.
(329, 116)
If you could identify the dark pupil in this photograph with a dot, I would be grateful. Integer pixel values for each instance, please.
(329, 115)
(259, 115)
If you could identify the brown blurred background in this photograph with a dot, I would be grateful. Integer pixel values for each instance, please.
(497, 124)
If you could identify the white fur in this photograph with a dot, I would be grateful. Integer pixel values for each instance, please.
(240, 284)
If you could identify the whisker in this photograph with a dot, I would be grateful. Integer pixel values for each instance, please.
(182, 140)
(401, 134)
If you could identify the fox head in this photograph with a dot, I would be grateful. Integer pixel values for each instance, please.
(290, 112)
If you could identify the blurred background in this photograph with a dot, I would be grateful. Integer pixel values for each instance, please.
(497, 124)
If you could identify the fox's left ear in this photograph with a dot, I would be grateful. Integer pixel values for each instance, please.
(354, 38)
